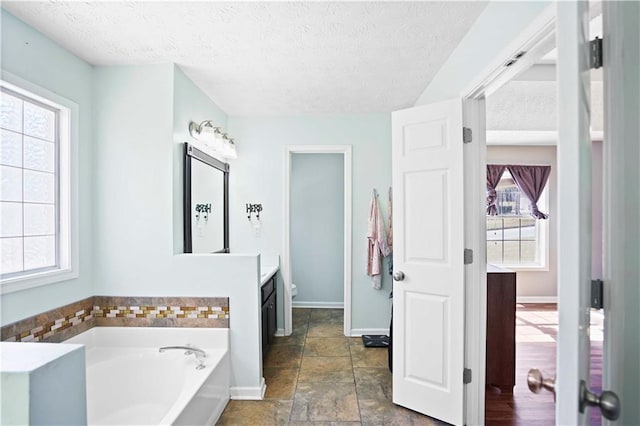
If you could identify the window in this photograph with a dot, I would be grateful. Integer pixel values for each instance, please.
(514, 238)
(35, 192)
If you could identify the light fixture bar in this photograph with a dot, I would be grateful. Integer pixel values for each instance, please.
(213, 140)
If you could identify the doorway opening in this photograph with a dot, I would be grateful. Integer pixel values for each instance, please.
(521, 130)
(317, 230)
(306, 186)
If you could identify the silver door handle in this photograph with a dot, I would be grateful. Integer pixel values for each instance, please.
(398, 276)
(608, 402)
(536, 382)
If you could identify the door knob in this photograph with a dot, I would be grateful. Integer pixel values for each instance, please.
(398, 276)
(608, 402)
(536, 382)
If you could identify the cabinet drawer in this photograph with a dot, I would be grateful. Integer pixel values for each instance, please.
(268, 288)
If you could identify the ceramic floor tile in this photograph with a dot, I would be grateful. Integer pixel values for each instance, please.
(300, 317)
(326, 369)
(325, 424)
(369, 357)
(255, 413)
(373, 383)
(325, 330)
(326, 315)
(355, 341)
(297, 337)
(311, 380)
(383, 412)
(326, 346)
(281, 382)
(301, 312)
(283, 356)
(325, 402)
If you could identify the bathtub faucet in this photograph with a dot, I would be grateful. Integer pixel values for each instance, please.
(199, 353)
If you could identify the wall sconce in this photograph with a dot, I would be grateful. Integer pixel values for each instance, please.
(219, 144)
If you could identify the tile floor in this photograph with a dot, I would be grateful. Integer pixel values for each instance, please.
(317, 376)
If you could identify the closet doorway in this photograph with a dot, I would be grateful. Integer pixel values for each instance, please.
(302, 162)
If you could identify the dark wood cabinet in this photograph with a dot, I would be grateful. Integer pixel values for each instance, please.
(269, 313)
(501, 328)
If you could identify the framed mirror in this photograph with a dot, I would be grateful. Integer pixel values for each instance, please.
(206, 202)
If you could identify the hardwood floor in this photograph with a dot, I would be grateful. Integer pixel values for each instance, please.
(536, 333)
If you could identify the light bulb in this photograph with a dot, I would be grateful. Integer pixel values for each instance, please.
(231, 152)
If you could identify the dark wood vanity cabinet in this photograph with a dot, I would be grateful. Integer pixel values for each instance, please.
(269, 313)
(501, 328)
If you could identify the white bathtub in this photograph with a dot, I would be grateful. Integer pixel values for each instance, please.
(130, 382)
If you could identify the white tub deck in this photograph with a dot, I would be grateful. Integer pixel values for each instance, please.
(130, 382)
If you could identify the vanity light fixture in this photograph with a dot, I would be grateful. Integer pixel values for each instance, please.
(213, 139)
(229, 148)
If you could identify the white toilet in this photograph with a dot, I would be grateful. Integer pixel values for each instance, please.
(294, 291)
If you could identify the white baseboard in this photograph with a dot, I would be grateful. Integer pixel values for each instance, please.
(280, 332)
(537, 299)
(249, 393)
(318, 305)
(357, 332)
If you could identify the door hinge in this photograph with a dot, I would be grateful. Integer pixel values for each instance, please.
(466, 376)
(468, 256)
(595, 53)
(467, 135)
(596, 294)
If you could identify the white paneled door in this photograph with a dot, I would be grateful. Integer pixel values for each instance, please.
(428, 290)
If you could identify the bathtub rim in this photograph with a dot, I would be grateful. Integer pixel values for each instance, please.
(146, 338)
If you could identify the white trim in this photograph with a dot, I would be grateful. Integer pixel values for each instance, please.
(318, 305)
(346, 151)
(280, 332)
(475, 233)
(520, 268)
(248, 392)
(621, 204)
(358, 332)
(574, 209)
(68, 195)
(475, 223)
(536, 299)
(533, 39)
(530, 137)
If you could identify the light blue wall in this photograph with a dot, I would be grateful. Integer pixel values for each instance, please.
(134, 206)
(317, 227)
(133, 127)
(258, 177)
(128, 175)
(31, 56)
(189, 104)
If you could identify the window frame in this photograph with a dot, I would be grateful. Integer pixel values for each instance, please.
(542, 234)
(66, 188)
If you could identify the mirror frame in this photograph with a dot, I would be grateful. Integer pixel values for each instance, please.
(191, 152)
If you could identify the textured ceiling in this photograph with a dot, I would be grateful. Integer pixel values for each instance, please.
(532, 105)
(277, 58)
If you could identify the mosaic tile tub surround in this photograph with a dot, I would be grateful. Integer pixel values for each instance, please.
(67, 321)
